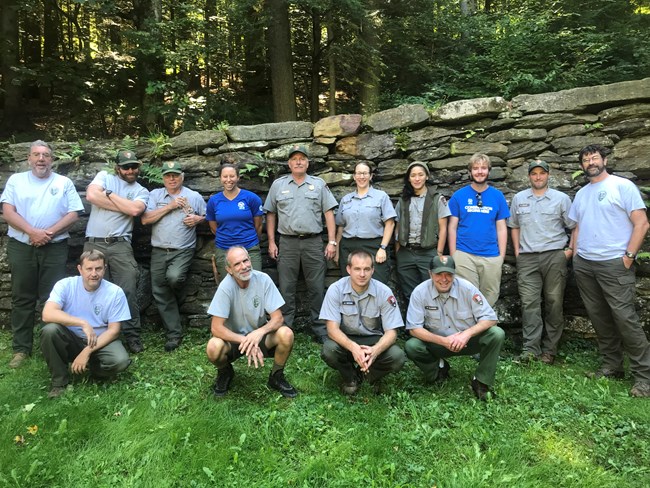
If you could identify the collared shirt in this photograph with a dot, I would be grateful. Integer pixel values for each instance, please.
(111, 223)
(542, 220)
(42, 202)
(363, 217)
(369, 314)
(299, 207)
(170, 231)
(416, 211)
(246, 309)
(602, 211)
(459, 310)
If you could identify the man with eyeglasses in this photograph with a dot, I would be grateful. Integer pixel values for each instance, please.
(611, 225)
(539, 219)
(39, 206)
(174, 211)
(116, 200)
(477, 233)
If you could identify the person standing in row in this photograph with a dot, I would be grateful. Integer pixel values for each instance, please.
(174, 212)
(611, 225)
(116, 200)
(539, 219)
(235, 218)
(39, 206)
(421, 231)
(295, 206)
(478, 234)
(365, 220)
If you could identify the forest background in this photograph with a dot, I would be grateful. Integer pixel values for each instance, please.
(107, 68)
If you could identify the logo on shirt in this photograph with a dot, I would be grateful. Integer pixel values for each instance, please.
(54, 191)
(601, 195)
(130, 195)
(241, 206)
(392, 301)
(256, 301)
(97, 309)
(478, 298)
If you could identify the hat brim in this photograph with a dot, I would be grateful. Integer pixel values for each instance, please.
(131, 161)
(443, 269)
(177, 171)
(301, 152)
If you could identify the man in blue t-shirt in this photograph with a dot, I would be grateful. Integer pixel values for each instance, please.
(477, 233)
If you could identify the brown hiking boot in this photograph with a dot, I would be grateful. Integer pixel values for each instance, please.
(18, 359)
(606, 373)
(641, 389)
(547, 358)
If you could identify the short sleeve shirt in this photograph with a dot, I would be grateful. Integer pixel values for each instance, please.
(542, 220)
(246, 309)
(170, 231)
(602, 211)
(464, 306)
(370, 313)
(416, 212)
(42, 202)
(363, 217)
(107, 304)
(110, 223)
(477, 218)
(235, 219)
(299, 207)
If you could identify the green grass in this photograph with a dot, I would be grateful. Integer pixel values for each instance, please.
(159, 426)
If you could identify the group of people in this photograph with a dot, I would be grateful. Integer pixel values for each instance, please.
(450, 296)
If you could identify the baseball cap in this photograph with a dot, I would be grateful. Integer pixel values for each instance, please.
(538, 164)
(442, 264)
(298, 148)
(419, 163)
(171, 167)
(126, 157)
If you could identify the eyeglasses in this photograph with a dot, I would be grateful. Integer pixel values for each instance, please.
(129, 166)
(479, 200)
(362, 173)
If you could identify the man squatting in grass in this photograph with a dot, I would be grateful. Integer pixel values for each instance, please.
(240, 326)
(448, 316)
(83, 317)
(362, 319)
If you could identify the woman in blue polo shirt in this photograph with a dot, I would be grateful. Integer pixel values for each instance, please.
(235, 218)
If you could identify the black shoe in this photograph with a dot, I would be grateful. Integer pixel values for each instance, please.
(222, 383)
(352, 385)
(278, 382)
(481, 390)
(173, 344)
(135, 345)
(443, 373)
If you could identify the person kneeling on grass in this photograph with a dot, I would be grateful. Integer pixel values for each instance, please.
(240, 326)
(448, 316)
(83, 317)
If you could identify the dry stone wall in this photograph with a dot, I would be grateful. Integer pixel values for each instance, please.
(551, 126)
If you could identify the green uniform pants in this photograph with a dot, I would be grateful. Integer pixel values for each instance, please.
(427, 355)
(168, 273)
(34, 271)
(413, 267)
(60, 346)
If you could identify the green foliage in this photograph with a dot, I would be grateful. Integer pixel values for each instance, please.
(402, 138)
(262, 168)
(151, 172)
(159, 144)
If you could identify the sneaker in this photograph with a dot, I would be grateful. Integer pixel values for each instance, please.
(641, 389)
(172, 344)
(56, 391)
(351, 386)
(278, 382)
(606, 373)
(135, 345)
(18, 359)
(547, 358)
(481, 390)
(222, 383)
(443, 373)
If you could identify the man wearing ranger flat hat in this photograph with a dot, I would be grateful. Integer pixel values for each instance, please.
(174, 211)
(448, 316)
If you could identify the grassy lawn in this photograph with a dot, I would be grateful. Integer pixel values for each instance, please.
(159, 426)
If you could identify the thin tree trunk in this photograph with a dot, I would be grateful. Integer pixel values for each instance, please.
(314, 101)
(331, 65)
(284, 99)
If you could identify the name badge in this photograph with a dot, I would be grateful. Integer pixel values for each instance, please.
(348, 302)
(524, 204)
(311, 187)
(284, 191)
(431, 308)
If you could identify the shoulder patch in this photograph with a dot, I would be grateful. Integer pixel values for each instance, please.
(478, 298)
(392, 301)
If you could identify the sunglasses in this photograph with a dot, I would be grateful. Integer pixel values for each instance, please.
(129, 166)
(479, 200)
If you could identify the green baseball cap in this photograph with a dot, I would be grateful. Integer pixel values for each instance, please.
(126, 157)
(171, 167)
(298, 148)
(442, 264)
(538, 164)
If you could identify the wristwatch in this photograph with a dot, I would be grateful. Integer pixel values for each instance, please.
(108, 193)
(383, 246)
(332, 243)
(630, 255)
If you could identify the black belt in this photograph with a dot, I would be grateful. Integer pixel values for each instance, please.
(168, 249)
(300, 236)
(106, 240)
(413, 246)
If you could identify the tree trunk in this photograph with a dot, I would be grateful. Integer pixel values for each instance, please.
(284, 99)
(370, 70)
(314, 100)
(331, 65)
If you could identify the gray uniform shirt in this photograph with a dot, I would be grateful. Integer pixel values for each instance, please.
(371, 313)
(299, 208)
(461, 309)
(110, 223)
(170, 231)
(363, 217)
(245, 309)
(542, 220)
